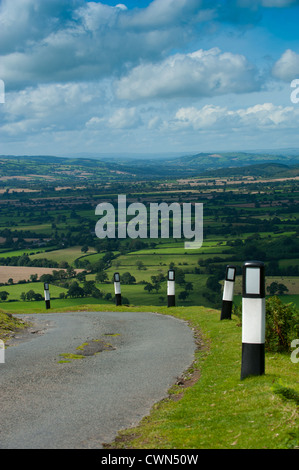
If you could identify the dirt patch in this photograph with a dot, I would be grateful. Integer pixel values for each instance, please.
(23, 273)
(31, 330)
(184, 382)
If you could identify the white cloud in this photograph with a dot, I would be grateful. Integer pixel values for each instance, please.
(63, 40)
(201, 73)
(259, 117)
(166, 12)
(52, 107)
(124, 118)
(121, 6)
(287, 67)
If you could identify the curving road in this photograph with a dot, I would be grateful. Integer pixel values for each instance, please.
(83, 403)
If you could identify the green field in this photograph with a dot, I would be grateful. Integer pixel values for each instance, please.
(211, 408)
(66, 254)
(219, 411)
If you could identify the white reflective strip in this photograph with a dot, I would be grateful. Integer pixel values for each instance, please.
(117, 289)
(230, 274)
(228, 291)
(253, 320)
(253, 280)
(47, 295)
(170, 287)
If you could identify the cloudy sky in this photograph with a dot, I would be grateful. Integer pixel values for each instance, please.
(148, 76)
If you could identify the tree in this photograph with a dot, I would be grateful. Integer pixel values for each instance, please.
(84, 249)
(4, 295)
(23, 296)
(101, 276)
(140, 265)
(149, 287)
(179, 276)
(272, 289)
(70, 271)
(37, 297)
(88, 287)
(75, 290)
(81, 276)
(213, 284)
(30, 295)
(189, 286)
(96, 293)
(46, 278)
(282, 289)
(156, 283)
(277, 288)
(183, 295)
(127, 278)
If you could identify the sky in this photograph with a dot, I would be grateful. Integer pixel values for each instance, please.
(154, 76)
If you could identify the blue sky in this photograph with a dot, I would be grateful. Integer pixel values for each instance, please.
(152, 76)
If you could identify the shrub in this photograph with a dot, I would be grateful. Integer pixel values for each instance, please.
(282, 324)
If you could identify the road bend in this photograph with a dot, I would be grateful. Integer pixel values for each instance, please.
(130, 360)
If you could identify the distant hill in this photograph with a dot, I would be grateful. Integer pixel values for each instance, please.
(128, 169)
(263, 170)
(208, 161)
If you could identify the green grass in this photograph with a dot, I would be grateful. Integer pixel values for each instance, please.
(16, 290)
(8, 325)
(66, 254)
(218, 410)
(56, 305)
(27, 251)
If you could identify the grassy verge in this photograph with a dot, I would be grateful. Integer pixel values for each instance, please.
(9, 325)
(218, 410)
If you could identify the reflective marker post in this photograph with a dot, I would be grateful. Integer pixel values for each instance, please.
(171, 288)
(253, 319)
(117, 289)
(228, 293)
(47, 295)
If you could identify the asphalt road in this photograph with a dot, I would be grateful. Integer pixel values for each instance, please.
(83, 403)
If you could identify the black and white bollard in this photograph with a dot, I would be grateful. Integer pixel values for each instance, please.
(228, 293)
(253, 319)
(171, 288)
(117, 289)
(47, 295)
